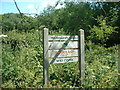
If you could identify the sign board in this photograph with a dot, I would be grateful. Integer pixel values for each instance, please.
(56, 48)
(63, 60)
(62, 53)
(63, 49)
(63, 37)
(64, 44)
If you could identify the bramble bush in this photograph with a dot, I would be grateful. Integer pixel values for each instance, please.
(22, 59)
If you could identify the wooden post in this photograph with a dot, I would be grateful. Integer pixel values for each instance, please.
(0, 62)
(46, 60)
(81, 56)
(119, 66)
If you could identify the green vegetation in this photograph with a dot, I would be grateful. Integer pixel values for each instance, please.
(22, 50)
(23, 64)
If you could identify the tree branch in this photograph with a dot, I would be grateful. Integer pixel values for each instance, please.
(17, 7)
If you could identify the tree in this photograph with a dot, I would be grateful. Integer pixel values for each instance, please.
(12, 21)
(101, 33)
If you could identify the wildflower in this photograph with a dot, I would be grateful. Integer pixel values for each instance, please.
(108, 67)
(3, 35)
(93, 76)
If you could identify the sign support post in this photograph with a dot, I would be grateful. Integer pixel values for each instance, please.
(46, 58)
(70, 49)
(81, 56)
(118, 66)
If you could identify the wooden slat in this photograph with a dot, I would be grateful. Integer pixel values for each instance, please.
(62, 53)
(60, 45)
(63, 60)
(63, 37)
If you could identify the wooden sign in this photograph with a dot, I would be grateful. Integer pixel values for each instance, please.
(63, 49)
(63, 60)
(62, 53)
(63, 37)
(65, 44)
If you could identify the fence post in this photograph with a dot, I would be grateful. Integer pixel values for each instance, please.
(46, 59)
(81, 56)
(119, 66)
(0, 62)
